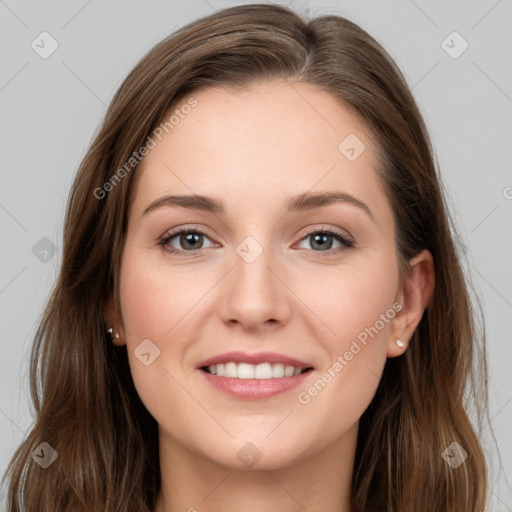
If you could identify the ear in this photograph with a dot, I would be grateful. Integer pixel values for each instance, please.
(414, 295)
(113, 320)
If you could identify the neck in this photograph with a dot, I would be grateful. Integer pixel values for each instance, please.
(321, 482)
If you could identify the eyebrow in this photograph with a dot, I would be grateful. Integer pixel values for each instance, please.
(302, 202)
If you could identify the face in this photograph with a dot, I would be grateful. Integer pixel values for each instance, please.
(216, 305)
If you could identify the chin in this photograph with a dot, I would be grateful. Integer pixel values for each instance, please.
(257, 453)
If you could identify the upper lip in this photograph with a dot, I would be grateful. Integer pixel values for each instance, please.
(254, 358)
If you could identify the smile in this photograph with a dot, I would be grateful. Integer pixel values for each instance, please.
(254, 376)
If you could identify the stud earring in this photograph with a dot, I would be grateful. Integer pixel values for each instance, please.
(400, 343)
(114, 337)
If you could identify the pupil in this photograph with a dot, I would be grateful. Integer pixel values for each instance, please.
(190, 238)
(322, 244)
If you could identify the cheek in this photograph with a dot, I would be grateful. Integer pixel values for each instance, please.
(151, 307)
(353, 299)
(153, 299)
(358, 309)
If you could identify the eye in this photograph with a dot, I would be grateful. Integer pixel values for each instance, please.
(191, 241)
(322, 239)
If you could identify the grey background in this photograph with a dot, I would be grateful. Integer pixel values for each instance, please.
(51, 108)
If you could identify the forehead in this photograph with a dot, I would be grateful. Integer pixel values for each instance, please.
(257, 145)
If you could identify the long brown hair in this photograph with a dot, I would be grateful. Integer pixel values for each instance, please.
(86, 405)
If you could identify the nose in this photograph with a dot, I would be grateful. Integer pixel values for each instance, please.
(255, 296)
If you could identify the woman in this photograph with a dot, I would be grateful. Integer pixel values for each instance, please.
(260, 305)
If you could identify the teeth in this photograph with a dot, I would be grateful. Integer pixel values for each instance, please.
(278, 370)
(263, 371)
(230, 370)
(245, 371)
(250, 371)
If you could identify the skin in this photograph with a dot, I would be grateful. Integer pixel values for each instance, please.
(253, 149)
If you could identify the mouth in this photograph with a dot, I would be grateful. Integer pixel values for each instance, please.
(254, 376)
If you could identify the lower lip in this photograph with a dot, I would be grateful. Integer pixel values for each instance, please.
(255, 389)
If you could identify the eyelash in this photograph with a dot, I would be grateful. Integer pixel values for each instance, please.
(341, 237)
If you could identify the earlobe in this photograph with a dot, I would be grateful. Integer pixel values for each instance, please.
(415, 296)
